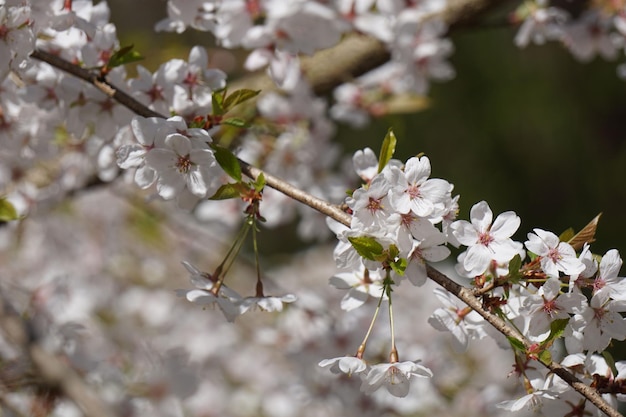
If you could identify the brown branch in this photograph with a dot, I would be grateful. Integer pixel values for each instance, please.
(465, 294)
(94, 78)
(357, 54)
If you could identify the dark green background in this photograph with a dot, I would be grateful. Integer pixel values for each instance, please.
(528, 130)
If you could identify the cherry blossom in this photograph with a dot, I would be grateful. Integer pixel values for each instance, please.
(371, 206)
(598, 323)
(361, 285)
(548, 304)
(395, 377)
(429, 248)
(464, 324)
(556, 256)
(412, 190)
(486, 242)
(226, 299)
(266, 303)
(607, 279)
(17, 40)
(348, 365)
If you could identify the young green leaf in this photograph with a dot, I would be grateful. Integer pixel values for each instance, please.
(228, 162)
(566, 235)
(235, 121)
(610, 361)
(226, 191)
(399, 266)
(545, 357)
(125, 55)
(557, 327)
(238, 97)
(367, 247)
(516, 344)
(259, 184)
(217, 103)
(7, 211)
(386, 150)
(514, 269)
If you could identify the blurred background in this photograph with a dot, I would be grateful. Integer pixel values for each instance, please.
(530, 130)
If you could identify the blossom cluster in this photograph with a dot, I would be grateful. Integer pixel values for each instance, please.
(178, 159)
(101, 295)
(48, 115)
(227, 300)
(84, 132)
(538, 286)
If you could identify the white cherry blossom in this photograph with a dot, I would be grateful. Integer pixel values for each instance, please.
(227, 300)
(486, 242)
(607, 279)
(184, 165)
(556, 256)
(413, 190)
(395, 377)
(348, 365)
(361, 285)
(464, 324)
(266, 303)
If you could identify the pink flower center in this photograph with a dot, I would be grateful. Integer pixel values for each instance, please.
(485, 239)
(374, 205)
(183, 164)
(155, 93)
(598, 313)
(554, 255)
(407, 219)
(414, 191)
(598, 284)
(550, 307)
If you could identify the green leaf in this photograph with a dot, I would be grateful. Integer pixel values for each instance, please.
(235, 121)
(515, 264)
(7, 211)
(516, 344)
(386, 150)
(238, 97)
(228, 162)
(545, 357)
(125, 55)
(610, 361)
(566, 235)
(217, 101)
(367, 247)
(259, 184)
(514, 269)
(557, 327)
(399, 266)
(227, 191)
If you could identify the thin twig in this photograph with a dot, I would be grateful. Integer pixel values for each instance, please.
(94, 78)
